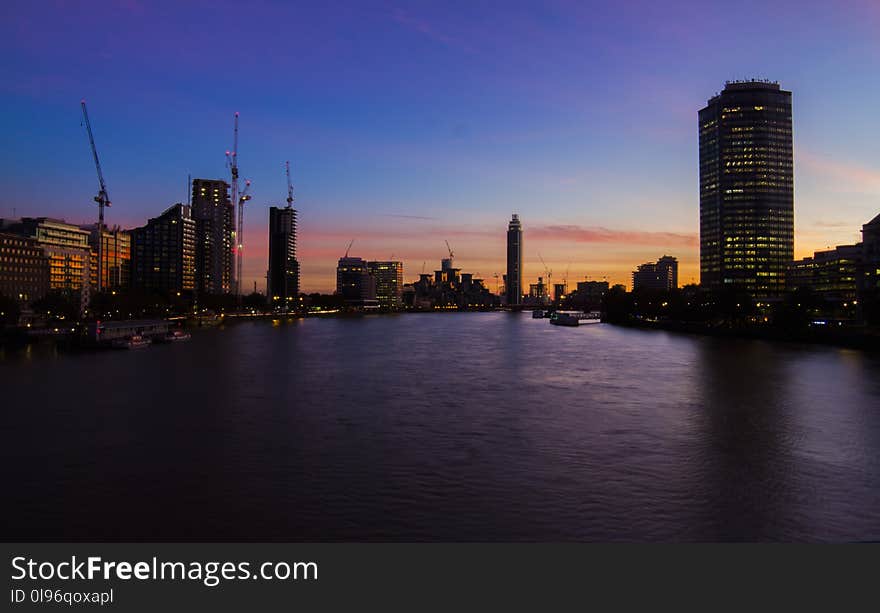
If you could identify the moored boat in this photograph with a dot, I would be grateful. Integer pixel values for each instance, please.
(135, 341)
(563, 319)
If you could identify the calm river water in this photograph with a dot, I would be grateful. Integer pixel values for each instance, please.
(464, 427)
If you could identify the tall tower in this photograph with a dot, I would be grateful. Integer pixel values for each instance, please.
(514, 261)
(283, 266)
(214, 215)
(746, 188)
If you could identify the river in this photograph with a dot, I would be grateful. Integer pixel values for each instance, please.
(442, 427)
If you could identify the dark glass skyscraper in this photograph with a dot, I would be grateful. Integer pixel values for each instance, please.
(514, 261)
(283, 266)
(163, 252)
(746, 188)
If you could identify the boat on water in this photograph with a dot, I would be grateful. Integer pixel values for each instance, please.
(563, 319)
(135, 341)
(174, 336)
(538, 314)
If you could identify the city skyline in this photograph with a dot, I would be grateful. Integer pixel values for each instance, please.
(386, 154)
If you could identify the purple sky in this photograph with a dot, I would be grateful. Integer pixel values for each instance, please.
(410, 123)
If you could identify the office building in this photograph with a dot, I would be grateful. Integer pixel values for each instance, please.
(833, 273)
(164, 252)
(513, 281)
(355, 283)
(388, 277)
(66, 248)
(746, 189)
(283, 278)
(116, 253)
(214, 217)
(661, 275)
(24, 268)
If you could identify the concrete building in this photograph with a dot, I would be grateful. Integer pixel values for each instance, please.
(661, 275)
(24, 268)
(355, 283)
(283, 277)
(513, 280)
(164, 252)
(746, 189)
(65, 246)
(214, 217)
(388, 277)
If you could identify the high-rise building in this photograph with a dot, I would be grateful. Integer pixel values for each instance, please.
(24, 268)
(513, 281)
(661, 275)
(355, 283)
(66, 246)
(116, 253)
(283, 266)
(388, 277)
(746, 188)
(164, 252)
(214, 216)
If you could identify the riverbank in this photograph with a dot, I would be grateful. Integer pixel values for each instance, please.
(863, 338)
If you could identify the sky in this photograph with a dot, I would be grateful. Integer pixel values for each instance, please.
(410, 124)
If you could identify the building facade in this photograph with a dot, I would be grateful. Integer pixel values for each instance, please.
(746, 189)
(388, 277)
(355, 283)
(24, 268)
(164, 252)
(66, 248)
(214, 217)
(869, 274)
(833, 274)
(283, 276)
(513, 280)
(116, 253)
(661, 275)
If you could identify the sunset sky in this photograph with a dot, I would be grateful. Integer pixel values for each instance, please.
(407, 124)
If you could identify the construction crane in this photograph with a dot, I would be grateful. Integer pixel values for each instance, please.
(348, 248)
(232, 165)
(289, 186)
(546, 270)
(451, 255)
(102, 198)
(496, 283)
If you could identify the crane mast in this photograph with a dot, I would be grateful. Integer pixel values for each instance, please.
(237, 200)
(289, 185)
(102, 198)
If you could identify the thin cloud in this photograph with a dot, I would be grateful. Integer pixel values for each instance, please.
(589, 234)
(853, 176)
(406, 216)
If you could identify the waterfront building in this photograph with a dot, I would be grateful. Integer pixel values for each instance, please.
(65, 246)
(214, 217)
(355, 283)
(513, 280)
(388, 277)
(869, 273)
(116, 253)
(746, 188)
(538, 292)
(559, 291)
(283, 278)
(661, 275)
(164, 252)
(833, 274)
(24, 268)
